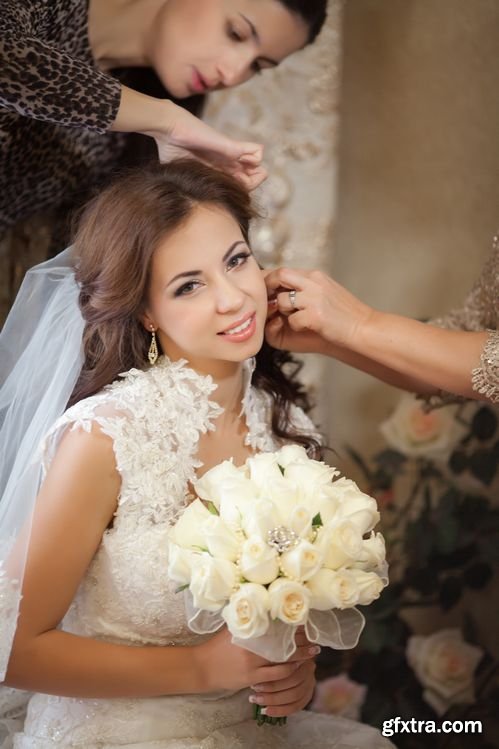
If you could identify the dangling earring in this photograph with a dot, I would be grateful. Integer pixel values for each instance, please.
(152, 354)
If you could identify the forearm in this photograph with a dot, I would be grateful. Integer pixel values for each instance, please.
(421, 355)
(139, 113)
(373, 368)
(67, 665)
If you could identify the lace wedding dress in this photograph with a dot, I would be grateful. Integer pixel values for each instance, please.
(155, 419)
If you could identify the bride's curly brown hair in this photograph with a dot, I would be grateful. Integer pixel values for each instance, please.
(116, 237)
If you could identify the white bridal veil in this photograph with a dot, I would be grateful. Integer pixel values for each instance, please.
(40, 360)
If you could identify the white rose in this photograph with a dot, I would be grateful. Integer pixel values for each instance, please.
(412, 431)
(209, 485)
(300, 521)
(180, 562)
(339, 695)
(291, 454)
(343, 590)
(235, 500)
(359, 508)
(444, 664)
(302, 561)
(212, 582)
(340, 543)
(326, 503)
(369, 584)
(373, 552)
(259, 562)
(284, 495)
(259, 518)
(220, 540)
(187, 531)
(309, 477)
(263, 468)
(246, 614)
(289, 601)
(322, 590)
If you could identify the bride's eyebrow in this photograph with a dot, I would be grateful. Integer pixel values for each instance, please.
(191, 273)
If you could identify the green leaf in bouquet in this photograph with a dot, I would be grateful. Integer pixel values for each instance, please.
(317, 521)
(281, 469)
(181, 588)
(201, 548)
(211, 507)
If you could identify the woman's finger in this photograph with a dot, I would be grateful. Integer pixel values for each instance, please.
(285, 278)
(289, 301)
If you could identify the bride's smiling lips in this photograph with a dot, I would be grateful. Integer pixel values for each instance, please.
(242, 329)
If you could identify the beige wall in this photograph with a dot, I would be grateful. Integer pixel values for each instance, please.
(418, 170)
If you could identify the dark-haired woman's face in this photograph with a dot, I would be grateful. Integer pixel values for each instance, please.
(202, 45)
(207, 298)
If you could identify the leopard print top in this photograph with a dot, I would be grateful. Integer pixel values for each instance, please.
(56, 108)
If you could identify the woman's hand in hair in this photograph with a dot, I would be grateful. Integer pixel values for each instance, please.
(190, 136)
(179, 133)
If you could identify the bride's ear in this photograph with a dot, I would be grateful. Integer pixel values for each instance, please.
(147, 322)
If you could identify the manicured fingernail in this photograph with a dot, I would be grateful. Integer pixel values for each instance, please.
(263, 711)
(315, 650)
(257, 688)
(256, 700)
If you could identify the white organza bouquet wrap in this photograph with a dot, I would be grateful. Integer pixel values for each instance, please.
(276, 544)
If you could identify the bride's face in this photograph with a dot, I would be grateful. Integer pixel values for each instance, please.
(207, 297)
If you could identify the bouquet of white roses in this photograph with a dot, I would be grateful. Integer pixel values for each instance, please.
(276, 544)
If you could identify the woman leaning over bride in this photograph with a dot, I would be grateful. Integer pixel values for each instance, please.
(163, 265)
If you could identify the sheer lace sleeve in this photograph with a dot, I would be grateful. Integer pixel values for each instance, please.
(479, 312)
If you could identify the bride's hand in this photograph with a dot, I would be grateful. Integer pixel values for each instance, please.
(223, 665)
(187, 135)
(287, 696)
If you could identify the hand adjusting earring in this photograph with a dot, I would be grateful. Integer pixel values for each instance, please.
(152, 354)
(292, 298)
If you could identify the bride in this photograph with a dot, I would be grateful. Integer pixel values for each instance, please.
(153, 337)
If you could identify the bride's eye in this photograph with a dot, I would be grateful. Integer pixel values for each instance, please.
(186, 288)
(238, 259)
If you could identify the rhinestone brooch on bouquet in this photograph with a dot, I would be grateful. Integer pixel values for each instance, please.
(282, 538)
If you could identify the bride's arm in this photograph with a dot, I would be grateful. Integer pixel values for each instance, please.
(76, 504)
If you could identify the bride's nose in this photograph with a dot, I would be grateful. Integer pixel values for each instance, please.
(229, 297)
